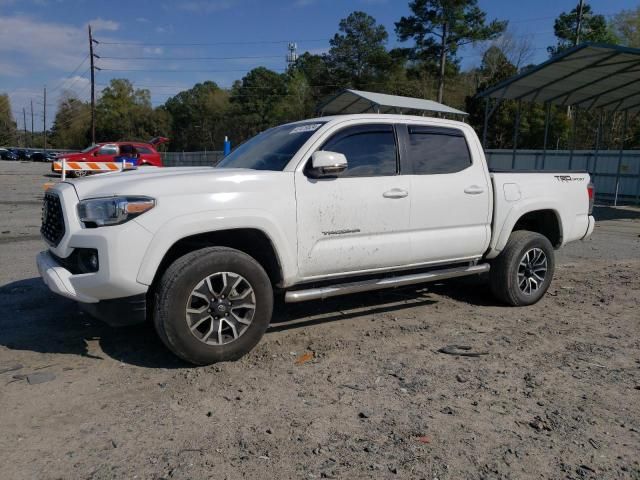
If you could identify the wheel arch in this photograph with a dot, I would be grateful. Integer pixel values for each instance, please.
(543, 219)
(252, 241)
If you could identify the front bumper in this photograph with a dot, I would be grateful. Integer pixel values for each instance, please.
(58, 279)
(115, 312)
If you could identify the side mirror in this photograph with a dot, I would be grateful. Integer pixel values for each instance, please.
(96, 153)
(328, 163)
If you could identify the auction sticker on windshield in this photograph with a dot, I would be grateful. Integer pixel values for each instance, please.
(311, 127)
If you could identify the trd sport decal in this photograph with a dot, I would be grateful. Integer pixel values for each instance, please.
(568, 178)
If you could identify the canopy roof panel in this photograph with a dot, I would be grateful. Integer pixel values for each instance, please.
(587, 76)
(357, 101)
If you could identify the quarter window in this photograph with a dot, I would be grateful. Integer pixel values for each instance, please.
(435, 150)
(370, 150)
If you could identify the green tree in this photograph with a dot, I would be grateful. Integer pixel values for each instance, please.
(440, 27)
(71, 124)
(198, 117)
(626, 27)
(358, 55)
(593, 28)
(8, 127)
(257, 102)
(494, 68)
(123, 113)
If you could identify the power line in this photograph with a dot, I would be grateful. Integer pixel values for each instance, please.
(192, 58)
(203, 44)
(183, 70)
(61, 82)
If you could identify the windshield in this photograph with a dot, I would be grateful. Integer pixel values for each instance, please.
(88, 149)
(271, 149)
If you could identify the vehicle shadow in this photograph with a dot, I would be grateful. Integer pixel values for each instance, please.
(615, 213)
(34, 319)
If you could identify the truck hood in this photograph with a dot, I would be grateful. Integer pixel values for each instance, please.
(165, 182)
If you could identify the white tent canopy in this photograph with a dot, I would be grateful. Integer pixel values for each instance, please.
(357, 101)
(589, 76)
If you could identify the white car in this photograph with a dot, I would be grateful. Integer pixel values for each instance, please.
(313, 209)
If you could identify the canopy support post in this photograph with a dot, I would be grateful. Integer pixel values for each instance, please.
(547, 114)
(515, 136)
(624, 134)
(573, 137)
(486, 123)
(596, 151)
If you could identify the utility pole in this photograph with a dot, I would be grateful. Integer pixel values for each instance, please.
(32, 122)
(24, 125)
(579, 22)
(93, 89)
(44, 120)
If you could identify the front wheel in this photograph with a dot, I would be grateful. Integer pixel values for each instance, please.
(523, 271)
(213, 305)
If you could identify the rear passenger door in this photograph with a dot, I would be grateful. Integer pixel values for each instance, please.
(450, 195)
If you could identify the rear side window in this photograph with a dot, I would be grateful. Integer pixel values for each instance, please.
(436, 150)
(142, 149)
(370, 150)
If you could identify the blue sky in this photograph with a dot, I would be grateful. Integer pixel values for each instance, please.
(44, 42)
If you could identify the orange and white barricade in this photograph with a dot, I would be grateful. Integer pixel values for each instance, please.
(63, 166)
(91, 166)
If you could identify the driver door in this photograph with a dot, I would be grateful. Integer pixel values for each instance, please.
(356, 221)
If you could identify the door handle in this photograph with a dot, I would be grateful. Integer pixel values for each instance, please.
(474, 190)
(395, 193)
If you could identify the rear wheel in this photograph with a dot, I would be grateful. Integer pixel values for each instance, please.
(523, 271)
(213, 305)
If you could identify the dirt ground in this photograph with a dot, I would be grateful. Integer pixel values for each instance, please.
(349, 388)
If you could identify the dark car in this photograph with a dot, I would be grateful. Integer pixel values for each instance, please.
(7, 154)
(43, 156)
(22, 153)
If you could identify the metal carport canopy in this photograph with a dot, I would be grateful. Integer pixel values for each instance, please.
(588, 76)
(356, 101)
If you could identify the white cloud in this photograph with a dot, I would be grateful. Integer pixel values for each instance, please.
(204, 6)
(153, 50)
(99, 24)
(142, 20)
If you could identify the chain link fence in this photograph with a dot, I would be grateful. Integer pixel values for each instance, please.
(205, 158)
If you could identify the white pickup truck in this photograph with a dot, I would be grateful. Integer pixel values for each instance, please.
(312, 209)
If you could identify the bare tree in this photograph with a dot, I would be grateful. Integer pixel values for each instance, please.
(519, 49)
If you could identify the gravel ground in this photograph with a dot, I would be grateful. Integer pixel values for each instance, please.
(349, 388)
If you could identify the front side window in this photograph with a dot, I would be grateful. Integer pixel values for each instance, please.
(437, 150)
(108, 150)
(370, 150)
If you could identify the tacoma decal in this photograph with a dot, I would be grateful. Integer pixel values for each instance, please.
(341, 232)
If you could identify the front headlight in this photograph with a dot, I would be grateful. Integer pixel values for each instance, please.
(98, 212)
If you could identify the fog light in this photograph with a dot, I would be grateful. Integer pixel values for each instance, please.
(88, 260)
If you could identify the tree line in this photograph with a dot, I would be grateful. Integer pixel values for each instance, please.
(426, 65)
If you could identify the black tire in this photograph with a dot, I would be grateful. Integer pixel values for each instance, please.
(175, 288)
(504, 275)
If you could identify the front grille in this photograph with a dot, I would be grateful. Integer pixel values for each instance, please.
(52, 228)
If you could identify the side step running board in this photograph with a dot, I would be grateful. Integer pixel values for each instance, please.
(293, 296)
